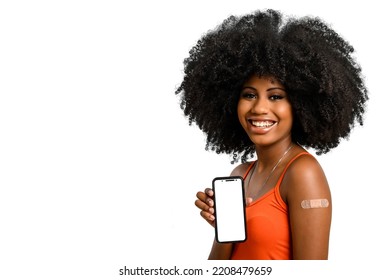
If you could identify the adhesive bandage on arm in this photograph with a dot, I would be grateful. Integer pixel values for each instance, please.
(315, 203)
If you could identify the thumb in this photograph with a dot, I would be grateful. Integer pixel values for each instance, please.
(248, 200)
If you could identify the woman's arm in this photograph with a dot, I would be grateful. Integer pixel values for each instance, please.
(310, 208)
(221, 251)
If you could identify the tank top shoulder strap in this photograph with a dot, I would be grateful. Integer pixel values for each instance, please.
(288, 164)
(249, 169)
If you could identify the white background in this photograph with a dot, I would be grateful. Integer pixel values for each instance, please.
(99, 168)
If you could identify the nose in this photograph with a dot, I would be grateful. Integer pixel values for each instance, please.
(261, 106)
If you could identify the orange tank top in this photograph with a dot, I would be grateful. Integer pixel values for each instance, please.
(268, 227)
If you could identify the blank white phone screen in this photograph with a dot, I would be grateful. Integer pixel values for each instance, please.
(229, 210)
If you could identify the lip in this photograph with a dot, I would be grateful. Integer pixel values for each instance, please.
(260, 130)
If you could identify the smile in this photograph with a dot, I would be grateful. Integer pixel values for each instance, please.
(262, 124)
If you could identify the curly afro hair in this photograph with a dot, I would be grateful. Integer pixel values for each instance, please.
(323, 81)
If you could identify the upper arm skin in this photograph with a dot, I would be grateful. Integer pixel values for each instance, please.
(310, 228)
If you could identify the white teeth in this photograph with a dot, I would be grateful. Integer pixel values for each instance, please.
(263, 124)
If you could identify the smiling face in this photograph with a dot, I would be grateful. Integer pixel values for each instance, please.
(264, 111)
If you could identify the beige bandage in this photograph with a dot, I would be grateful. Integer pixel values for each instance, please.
(315, 203)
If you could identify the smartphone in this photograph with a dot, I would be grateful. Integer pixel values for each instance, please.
(229, 205)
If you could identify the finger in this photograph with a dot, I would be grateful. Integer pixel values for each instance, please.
(202, 196)
(209, 192)
(210, 202)
(207, 216)
(205, 198)
(203, 206)
(248, 200)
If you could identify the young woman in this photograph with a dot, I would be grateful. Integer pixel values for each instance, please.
(259, 85)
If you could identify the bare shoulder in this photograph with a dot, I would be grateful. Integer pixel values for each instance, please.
(305, 179)
(310, 208)
(240, 169)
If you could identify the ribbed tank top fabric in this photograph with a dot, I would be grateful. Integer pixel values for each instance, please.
(268, 230)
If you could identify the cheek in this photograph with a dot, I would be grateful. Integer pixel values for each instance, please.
(286, 113)
(241, 112)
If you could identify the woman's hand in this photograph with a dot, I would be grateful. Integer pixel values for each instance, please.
(205, 203)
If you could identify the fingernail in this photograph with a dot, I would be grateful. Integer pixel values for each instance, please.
(211, 218)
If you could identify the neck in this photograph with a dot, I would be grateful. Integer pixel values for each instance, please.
(268, 155)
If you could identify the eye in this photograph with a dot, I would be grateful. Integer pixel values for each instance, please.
(276, 97)
(248, 95)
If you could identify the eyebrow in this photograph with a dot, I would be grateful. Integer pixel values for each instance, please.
(273, 88)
